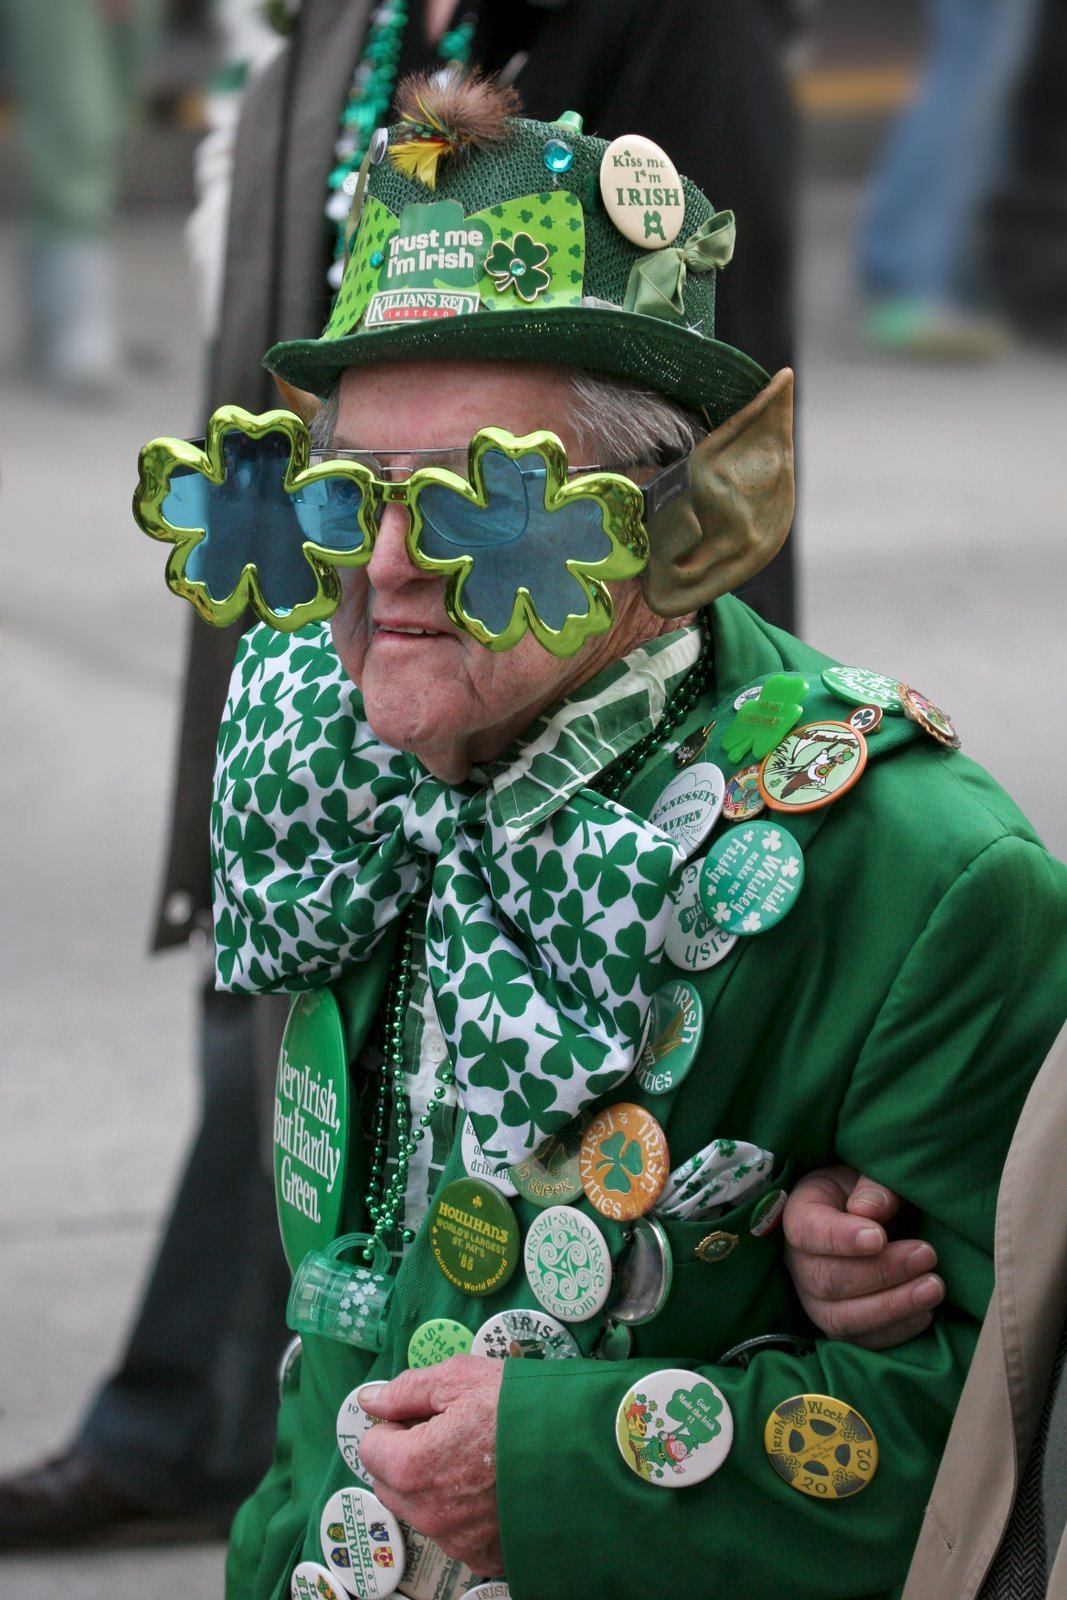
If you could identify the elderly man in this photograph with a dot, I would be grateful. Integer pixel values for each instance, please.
(607, 907)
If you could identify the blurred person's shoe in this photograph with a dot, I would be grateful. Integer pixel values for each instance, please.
(933, 330)
(67, 1502)
(74, 340)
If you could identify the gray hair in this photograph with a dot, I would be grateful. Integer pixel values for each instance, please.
(615, 421)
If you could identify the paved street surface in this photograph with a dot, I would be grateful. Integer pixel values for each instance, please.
(933, 521)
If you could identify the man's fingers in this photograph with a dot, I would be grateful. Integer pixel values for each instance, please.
(816, 1222)
(415, 1393)
(848, 1278)
(880, 1320)
(873, 1200)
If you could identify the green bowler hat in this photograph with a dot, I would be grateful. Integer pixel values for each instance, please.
(475, 236)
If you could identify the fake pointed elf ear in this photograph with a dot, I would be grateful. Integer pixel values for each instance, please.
(304, 404)
(736, 512)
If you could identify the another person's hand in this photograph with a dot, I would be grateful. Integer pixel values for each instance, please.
(853, 1282)
(433, 1455)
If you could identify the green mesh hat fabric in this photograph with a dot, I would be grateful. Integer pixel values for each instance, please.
(557, 226)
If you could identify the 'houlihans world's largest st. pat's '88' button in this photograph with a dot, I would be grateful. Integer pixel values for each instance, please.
(474, 1236)
(821, 1446)
(674, 1428)
(362, 1543)
(568, 1264)
(751, 877)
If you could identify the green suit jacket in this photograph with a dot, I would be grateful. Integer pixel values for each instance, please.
(893, 1020)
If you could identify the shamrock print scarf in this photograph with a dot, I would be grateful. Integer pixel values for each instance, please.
(543, 945)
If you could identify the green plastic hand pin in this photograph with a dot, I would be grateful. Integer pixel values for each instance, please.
(761, 724)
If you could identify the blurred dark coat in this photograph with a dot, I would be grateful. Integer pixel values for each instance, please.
(704, 81)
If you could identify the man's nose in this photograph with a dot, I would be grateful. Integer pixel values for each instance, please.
(390, 565)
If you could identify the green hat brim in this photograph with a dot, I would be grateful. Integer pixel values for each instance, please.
(669, 358)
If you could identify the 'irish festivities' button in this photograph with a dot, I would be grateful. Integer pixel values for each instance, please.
(623, 1161)
(812, 766)
(820, 1446)
(362, 1543)
(310, 1581)
(436, 1340)
(674, 1038)
(568, 1264)
(674, 1428)
(751, 878)
(474, 1236)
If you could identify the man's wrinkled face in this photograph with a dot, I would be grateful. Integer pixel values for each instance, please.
(427, 687)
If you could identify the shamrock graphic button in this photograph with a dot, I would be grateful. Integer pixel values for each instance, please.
(751, 878)
(623, 1161)
(524, 1333)
(362, 1543)
(436, 1340)
(568, 1264)
(674, 1428)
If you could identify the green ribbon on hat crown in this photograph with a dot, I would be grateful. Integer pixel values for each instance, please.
(658, 278)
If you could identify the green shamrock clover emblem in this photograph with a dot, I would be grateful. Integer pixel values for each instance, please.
(624, 1161)
(519, 263)
(521, 546)
(252, 524)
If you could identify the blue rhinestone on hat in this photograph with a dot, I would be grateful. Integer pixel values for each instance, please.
(557, 155)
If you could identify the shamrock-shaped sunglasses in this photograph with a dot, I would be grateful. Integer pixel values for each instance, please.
(524, 540)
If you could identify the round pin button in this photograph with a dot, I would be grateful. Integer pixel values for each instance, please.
(496, 1590)
(931, 719)
(568, 1264)
(862, 688)
(643, 1280)
(362, 1543)
(550, 1176)
(311, 1125)
(288, 1365)
(474, 1236)
(865, 719)
(674, 1038)
(751, 878)
(693, 941)
(767, 1213)
(624, 1161)
(813, 765)
(688, 808)
(674, 1428)
(310, 1581)
(436, 1340)
(353, 1425)
(477, 1162)
(821, 1446)
(748, 694)
(529, 1334)
(642, 191)
(742, 798)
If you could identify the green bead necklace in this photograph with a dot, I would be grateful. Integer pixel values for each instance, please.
(384, 1201)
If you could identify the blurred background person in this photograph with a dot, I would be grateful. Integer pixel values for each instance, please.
(919, 260)
(77, 67)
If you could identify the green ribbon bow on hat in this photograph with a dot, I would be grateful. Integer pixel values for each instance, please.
(658, 278)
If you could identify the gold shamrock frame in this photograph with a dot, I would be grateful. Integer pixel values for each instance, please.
(157, 462)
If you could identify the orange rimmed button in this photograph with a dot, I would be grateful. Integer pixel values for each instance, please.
(623, 1161)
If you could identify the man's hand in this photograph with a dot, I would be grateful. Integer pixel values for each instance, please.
(433, 1455)
(852, 1281)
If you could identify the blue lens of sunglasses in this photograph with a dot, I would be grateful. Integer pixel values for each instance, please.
(251, 520)
(530, 545)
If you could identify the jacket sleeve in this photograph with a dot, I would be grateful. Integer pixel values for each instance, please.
(929, 1109)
